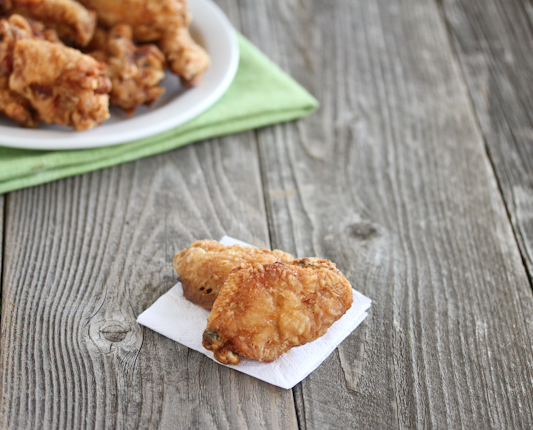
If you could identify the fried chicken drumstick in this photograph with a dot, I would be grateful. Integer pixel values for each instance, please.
(204, 267)
(265, 309)
(48, 81)
(164, 22)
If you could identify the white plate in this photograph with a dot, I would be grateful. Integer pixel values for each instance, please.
(211, 29)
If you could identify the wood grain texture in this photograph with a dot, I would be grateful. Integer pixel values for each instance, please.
(84, 256)
(2, 203)
(528, 6)
(493, 40)
(391, 180)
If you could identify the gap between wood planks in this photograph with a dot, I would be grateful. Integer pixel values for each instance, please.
(449, 32)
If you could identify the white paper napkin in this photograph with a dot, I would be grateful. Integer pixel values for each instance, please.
(173, 316)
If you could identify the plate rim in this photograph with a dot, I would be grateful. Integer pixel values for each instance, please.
(18, 137)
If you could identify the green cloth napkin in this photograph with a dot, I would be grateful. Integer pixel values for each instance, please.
(260, 94)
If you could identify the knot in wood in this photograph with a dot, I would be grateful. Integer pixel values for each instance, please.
(118, 333)
(363, 230)
(114, 331)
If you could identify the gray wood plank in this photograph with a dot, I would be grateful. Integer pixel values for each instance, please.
(528, 6)
(2, 203)
(391, 180)
(493, 40)
(84, 256)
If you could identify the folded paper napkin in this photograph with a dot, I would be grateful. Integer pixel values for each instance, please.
(260, 94)
(175, 317)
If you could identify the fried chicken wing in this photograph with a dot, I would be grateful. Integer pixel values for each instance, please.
(13, 105)
(72, 21)
(204, 267)
(15, 28)
(41, 79)
(264, 310)
(63, 85)
(16, 107)
(162, 21)
(135, 71)
(186, 58)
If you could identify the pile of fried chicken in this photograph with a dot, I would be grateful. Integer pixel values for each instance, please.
(262, 303)
(64, 61)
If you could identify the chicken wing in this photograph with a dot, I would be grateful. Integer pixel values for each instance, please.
(63, 85)
(204, 267)
(15, 28)
(13, 105)
(185, 58)
(162, 21)
(264, 310)
(16, 107)
(135, 71)
(72, 21)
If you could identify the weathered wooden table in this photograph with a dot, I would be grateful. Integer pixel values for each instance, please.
(415, 176)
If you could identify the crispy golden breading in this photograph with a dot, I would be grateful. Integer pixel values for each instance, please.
(16, 107)
(41, 79)
(185, 58)
(63, 85)
(162, 21)
(135, 71)
(70, 19)
(58, 86)
(149, 18)
(204, 267)
(15, 28)
(264, 310)
(13, 105)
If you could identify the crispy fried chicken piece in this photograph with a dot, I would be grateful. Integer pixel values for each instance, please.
(204, 267)
(63, 85)
(16, 107)
(15, 28)
(41, 79)
(13, 105)
(135, 71)
(264, 310)
(72, 21)
(162, 21)
(186, 58)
